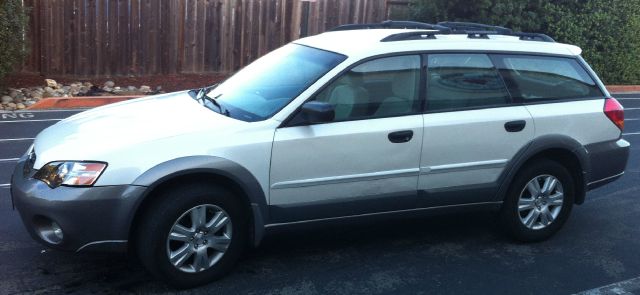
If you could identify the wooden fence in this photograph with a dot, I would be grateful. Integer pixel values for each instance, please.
(150, 37)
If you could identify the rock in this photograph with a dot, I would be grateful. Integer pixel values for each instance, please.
(36, 94)
(66, 88)
(159, 89)
(13, 93)
(11, 105)
(131, 88)
(51, 83)
(109, 84)
(20, 106)
(87, 84)
(117, 88)
(18, 99)
(6, 99)
(107, 89)
(48, 89)
(145, 88)
(48, 94)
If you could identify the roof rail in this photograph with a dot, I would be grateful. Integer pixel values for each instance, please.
(472, 30)
(389, 24)
(465, 26)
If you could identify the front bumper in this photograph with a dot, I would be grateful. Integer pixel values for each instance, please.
(91, 218)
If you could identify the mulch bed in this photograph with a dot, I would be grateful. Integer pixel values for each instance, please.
(169, 83)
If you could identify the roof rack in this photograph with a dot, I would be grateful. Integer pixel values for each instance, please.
(389, 24)
(472, 30)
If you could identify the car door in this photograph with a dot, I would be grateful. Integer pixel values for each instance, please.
(471, 130)
(365, 160)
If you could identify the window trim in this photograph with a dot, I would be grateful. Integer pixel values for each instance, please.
(423, 73)
(421, 94)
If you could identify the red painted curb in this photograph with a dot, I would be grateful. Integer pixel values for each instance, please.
(78, 102)
(623, 88)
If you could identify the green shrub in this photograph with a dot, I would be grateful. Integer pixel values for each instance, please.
(13, 24)
(607, 31)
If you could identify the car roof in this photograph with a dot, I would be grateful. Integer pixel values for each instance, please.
(364, 43)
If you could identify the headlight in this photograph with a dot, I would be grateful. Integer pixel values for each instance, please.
(56, 174)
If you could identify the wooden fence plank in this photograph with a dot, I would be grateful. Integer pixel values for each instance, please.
(152, 37)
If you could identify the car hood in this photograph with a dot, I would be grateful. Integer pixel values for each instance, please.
(91, 134)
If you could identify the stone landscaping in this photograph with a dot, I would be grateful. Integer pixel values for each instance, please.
(21, 98)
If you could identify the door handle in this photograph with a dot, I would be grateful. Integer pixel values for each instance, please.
(401, 136)
(515, 126)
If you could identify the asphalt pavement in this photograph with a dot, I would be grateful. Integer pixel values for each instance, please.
(597, 252)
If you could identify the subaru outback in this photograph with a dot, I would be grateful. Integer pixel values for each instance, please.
(364, 120)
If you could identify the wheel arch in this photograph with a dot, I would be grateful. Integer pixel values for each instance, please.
(214, 170)
(560, 148)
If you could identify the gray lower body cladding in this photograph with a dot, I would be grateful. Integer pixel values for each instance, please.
(608, 161)
(91, 218)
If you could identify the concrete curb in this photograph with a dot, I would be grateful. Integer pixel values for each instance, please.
(78, 102)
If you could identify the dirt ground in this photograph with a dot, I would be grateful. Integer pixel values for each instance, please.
(169, 83)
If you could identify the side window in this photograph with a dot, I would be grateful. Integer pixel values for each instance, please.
(532, 78)
(382, 87)
(456, 81)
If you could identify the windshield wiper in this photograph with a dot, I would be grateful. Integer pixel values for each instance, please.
(201, 96)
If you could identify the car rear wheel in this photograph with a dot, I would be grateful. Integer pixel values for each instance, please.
(539, 201)
(192, 235)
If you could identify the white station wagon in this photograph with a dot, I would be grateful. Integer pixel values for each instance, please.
(364, 120)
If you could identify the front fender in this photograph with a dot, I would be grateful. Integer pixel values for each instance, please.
(213, 165)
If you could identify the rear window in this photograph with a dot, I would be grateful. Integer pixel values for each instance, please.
(531, 78)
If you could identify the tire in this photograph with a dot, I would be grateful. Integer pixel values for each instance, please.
(531, 217)
(173, 212)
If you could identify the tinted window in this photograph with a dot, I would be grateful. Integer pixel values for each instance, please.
(542, 78)
(457, 81)
(379, 88)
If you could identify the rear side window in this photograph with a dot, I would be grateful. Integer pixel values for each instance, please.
(531, 78)
(458, 81)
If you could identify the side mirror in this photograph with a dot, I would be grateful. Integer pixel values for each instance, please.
(318, 112)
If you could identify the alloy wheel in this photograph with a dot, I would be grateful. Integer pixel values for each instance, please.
(540, 202)
(199, 238)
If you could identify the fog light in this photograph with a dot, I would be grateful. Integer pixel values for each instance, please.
(49, 231)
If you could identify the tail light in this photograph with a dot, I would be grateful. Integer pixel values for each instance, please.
(615, 112)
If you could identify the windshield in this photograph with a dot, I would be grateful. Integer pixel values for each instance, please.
(265, 86)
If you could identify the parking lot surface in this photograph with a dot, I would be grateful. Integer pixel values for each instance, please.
(597, 252)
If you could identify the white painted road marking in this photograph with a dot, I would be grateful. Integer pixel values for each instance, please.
(9, 160)
(22, 121)
(628, 287)
(16, 139)
(631, 133)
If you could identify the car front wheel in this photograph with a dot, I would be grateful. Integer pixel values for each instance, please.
(193, 235)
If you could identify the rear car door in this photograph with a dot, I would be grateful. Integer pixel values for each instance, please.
(471, 130)
(366, 160)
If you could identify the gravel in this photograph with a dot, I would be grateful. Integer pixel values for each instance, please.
(20, 98)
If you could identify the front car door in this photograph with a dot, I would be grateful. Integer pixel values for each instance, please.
(366, 160)
(471, 130)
